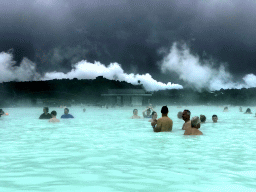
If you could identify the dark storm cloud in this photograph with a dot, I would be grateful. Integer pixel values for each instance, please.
(58, 33)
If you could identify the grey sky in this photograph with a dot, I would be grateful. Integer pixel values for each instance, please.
(129, 32)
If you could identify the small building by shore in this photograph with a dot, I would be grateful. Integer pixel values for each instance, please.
(126, 97)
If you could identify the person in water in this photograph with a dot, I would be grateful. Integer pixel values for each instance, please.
(202, 118)
(179, 115)
(135, 114)
(66, 115)
(248, 111)
(84, 110)
(225, 109)
(2, 112)
(164, 124)
(54, 119)
(148, 115)
(154, 116)
(214, 118)
(240, 109)
(45, 115)
(195, 125)
(186, 117)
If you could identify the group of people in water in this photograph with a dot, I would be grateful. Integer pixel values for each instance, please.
(53, 116)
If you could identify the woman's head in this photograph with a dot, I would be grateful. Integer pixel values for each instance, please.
(154, 115)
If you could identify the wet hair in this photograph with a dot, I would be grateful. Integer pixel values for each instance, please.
(153, 113)
(134, 110)
(248, 110)
(195, 121)
(202, 118)
(54, 113)
(214, 116)
(148, 110)
(47, 109)
(66, 109)
(164, 110)
(188, 112)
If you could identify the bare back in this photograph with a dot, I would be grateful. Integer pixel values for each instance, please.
(164, 124)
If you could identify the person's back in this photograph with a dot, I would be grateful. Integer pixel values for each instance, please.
(193, 129)
(54, 119)
(164, 123)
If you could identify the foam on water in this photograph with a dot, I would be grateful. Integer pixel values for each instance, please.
(104, 150)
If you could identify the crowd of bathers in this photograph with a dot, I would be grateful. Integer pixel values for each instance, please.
(53, 116)
(191, 126)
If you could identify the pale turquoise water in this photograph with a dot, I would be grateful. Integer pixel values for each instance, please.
(104, 150)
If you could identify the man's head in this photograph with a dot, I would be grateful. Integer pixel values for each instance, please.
(66, 110)
(135, 111)
(195, 122)
(214, 118)
(164, 110)
(54, 113)
(248, 110)
(46, 109)
(154, 115)
(148, 111)
(179, 115)
(202, 118)
(186, 115)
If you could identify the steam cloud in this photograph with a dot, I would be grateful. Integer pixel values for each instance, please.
(86, 70)
(9, 72)
(201, 74)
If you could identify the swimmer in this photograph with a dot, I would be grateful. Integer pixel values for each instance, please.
(164, 123)
(54, 119)
(225, 109)
(45, 115)
(195, 125)
(148, 115)
(135, 114)
(202, 118)
(179, 115)
(66, 115)
(154, 117)
(186, 117)
(248, 111)
(240, 109)
(214, 118)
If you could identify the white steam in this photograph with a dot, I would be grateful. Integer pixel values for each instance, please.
(8, 72)
(86, 70)
(201, 74)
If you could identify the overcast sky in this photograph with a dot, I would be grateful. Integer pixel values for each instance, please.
(137, 34)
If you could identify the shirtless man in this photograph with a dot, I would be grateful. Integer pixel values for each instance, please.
(202, 118)
(135, 114)
(214, 118)
(164, 123)
(195, 125)
(54, 119)
(186, 117)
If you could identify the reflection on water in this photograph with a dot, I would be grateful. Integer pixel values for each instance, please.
(104, 150)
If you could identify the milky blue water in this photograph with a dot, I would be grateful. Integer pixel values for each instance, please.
(104, 150)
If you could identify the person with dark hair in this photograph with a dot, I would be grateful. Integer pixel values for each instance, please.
(164, 123)
(66, 115)
(225, 109)
(195, 125)
(1, 112)
(214, 118)
(154, 116)
(135, 114)
(186, 117)
(248, 111)
(202, 118)
(45, 115)
(54, 119)
(148, 115)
